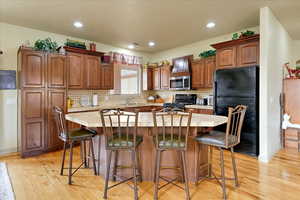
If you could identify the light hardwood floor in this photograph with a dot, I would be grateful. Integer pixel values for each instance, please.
(38, 178)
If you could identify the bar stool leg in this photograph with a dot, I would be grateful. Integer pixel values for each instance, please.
(70, 162)
(93, 156)
(234, 167)
(186, 181)
(157, 170)
(134, 174)
(138, 164)
(99, 152)
(181, 167)
(223, 173)
(107, 173)
(115, 165)
(210, 149)
(84, 153)
(63, 159)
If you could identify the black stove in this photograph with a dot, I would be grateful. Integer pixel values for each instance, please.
(181, 100)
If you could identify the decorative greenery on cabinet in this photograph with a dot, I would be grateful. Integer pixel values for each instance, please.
(46, 45)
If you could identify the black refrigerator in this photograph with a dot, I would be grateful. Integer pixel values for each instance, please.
(240, 86)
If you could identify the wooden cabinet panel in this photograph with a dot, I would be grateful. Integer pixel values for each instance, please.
(200, 111)
(33, 69)
(226, 57)
(33, 121)
(76, 70)
(57, 71)
(107, 76)
(33, 104)
(210, 67)
(156, 78)
(165, 77)
(93, 72)
(202, 72)
(248, 54)
(237, 53)
(148, 79)
(56, 97)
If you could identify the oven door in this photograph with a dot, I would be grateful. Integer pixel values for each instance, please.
(176, 83)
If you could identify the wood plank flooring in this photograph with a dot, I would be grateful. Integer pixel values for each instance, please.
(38, 178)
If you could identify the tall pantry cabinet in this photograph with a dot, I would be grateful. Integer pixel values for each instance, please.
(43, 84)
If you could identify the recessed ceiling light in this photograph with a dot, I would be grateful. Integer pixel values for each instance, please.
(131, 46)
(78, 24)
(210, 25)
(151, 44)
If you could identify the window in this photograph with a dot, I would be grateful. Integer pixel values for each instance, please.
(129, 81)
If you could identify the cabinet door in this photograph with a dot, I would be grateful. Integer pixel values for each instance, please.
(196, 74)
(76, 70)
(248, 54)
(210, 66)
(56, 97)
(165, 77)
(148, 79)
(57, 71)
(93, 72)
(33, 69)
(107, 76)
(156, 78)
(33, 121)
(226, 57)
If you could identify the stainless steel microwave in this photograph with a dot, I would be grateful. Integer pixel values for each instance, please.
(180, 83)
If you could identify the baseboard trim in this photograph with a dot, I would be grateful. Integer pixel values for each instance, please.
(8, 152)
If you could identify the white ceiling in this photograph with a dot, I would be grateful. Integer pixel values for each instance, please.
(170, 23)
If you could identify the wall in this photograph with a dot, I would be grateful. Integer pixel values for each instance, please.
(275, 50)
(194, 48)
(296, 52)
(11, 37)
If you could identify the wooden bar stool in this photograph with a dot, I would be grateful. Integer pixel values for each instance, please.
(70, 137)
(120, 131)
(225, 140)
(171, 131)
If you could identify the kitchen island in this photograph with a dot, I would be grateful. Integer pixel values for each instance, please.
(197, 157)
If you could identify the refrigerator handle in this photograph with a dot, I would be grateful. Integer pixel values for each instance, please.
(215, 96)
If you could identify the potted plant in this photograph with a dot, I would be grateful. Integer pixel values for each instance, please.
(45, 45)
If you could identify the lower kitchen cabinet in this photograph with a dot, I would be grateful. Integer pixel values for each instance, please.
(33, 122)
(200, 111)
(56, 97)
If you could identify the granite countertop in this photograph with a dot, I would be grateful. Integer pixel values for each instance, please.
(92, 119)
(94, 108)
(199, 107)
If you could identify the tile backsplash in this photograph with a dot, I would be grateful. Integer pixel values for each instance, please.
(105, 97)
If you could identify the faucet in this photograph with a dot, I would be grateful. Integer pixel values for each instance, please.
(129, 100)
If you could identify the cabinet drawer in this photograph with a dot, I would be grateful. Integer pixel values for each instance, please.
(291, 144)
(291, 134)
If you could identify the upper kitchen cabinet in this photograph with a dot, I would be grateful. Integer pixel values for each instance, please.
(33, 68)
(165, 77)
(107, 76)
(148, 78)
(156, 78)
(93, 72)
(76, 71)
(161, 77)
(210, 67)
(237, 53)
(57, 71)
(202, 72)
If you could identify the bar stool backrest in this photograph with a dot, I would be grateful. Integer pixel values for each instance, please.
(119, 128)
(59, 117)
(171, 128)
(234, 125)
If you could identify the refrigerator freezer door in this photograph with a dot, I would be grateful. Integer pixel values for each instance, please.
(236, 82)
